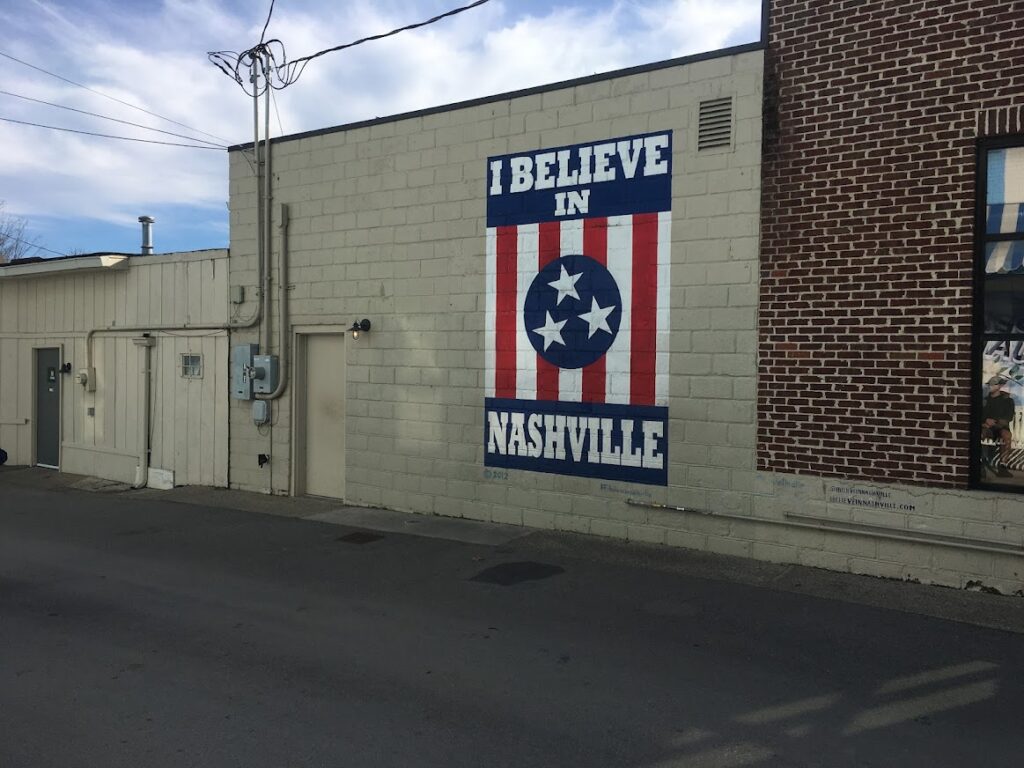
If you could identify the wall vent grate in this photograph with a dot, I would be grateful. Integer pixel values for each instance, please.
(714, 128)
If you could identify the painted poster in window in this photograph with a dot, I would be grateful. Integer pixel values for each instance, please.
(577, 309)
(1002, 413)
(1000, 387)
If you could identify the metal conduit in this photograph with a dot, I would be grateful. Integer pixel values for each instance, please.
(794, 520)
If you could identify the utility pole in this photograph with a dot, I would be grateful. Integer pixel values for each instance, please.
(260, 67)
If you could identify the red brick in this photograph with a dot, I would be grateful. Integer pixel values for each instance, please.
(867, 230)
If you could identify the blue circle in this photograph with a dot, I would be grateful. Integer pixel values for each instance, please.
(578, 347)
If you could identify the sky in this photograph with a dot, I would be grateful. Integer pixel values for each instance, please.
(83, 194)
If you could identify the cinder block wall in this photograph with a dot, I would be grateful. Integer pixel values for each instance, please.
(867, 230)
(388, 223)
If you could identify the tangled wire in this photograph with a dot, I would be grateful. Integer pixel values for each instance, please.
(269, 61)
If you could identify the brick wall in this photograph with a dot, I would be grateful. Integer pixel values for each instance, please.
(873, 109)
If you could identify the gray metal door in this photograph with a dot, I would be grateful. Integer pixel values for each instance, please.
(48, 407)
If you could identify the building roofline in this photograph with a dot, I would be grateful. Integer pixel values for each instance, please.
(640, 69)
(35, 266)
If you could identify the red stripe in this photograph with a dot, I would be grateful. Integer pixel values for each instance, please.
(645, 306)
(549, 244)
(549, 248)
(595, 239)
(505, 321)
(595, 245)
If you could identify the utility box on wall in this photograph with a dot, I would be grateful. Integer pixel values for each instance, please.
(265, 374)
(241, 370)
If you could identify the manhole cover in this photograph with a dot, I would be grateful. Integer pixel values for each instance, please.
(359, 537)
(507, 574)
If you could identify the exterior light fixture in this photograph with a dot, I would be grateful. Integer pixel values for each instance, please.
(359, 326)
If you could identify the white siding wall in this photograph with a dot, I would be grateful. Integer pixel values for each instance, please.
(189, 416)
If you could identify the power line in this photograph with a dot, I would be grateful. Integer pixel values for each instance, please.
(273, 98)
(30, 244)
(108, 135)
(267, 23)
(112, 98)
(287, 72)
(112, 119)
(306, 59)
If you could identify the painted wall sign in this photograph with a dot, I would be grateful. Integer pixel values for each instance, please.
(577, 318)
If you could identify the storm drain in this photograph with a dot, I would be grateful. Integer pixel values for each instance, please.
(507, 574)
(359, 537)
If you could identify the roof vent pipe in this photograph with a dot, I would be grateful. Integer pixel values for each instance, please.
(147, 234)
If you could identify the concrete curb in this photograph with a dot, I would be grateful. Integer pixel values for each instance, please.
(1000, 612)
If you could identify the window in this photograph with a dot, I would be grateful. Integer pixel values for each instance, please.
(192, 366)
(998, 443)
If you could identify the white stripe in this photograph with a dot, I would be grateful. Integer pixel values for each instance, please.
(570, 380)
(620, 264)
(1008, 225)
(490, 291)
(571, 236)
(998, 257)
(526, 355)
(1013, 175)
(661, 359)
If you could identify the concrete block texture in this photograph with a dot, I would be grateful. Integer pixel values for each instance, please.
(388, 222)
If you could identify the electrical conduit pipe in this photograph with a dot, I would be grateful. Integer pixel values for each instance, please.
(145, 345)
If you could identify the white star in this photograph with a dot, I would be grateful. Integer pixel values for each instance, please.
(552, 331)
(566, 285)
(597, 317)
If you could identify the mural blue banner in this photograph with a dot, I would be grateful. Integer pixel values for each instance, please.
(612, 442)
(628, 175)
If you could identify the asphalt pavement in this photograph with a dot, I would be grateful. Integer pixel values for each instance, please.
(147, 629)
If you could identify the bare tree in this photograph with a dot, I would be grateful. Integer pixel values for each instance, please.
(13, 242)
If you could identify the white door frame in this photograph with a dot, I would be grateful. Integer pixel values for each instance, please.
(300, 334)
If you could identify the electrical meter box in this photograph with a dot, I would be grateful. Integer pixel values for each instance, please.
(241, 370)
(266, 373)
(260, 412)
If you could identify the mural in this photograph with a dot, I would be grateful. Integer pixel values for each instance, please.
(1001, 378)
(577, 316)
(1002, 413)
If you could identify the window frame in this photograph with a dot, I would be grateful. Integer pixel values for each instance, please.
(979, 337)
(196, 369)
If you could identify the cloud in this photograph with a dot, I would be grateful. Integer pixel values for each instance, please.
(681, 27)
(154, 56)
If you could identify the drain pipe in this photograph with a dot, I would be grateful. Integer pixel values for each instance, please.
(156, 327)
(263, 269)
(815, 523)
(267, 239)
(282, 330)
(260, 251)
(282, 310)
(145, 344)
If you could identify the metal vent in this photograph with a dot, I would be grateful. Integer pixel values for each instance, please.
(714, 129)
